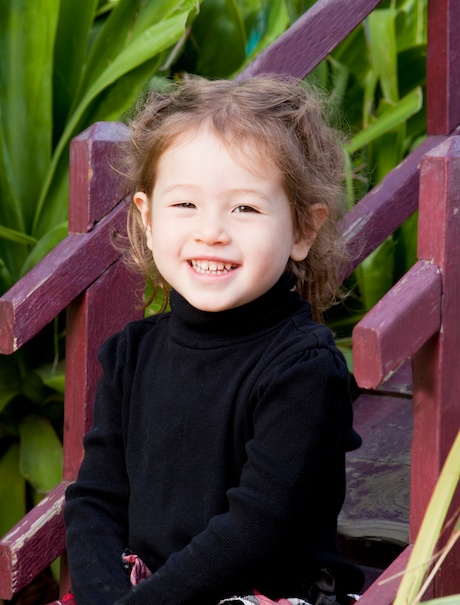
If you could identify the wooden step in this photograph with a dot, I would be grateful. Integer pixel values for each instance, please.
(374, 522)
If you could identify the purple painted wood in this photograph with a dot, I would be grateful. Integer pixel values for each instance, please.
(386, 207)
(443, 66)
(311, 38)
(33, 543)
(94, 185)
(66, 271)
(436, 367)
(91, 319)
(400, 383)
(383, 591)
(399, 324)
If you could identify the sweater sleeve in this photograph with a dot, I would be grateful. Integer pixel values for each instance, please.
(301, 420)
(96, 504)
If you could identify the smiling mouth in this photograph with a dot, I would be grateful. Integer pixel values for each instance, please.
(211, 267)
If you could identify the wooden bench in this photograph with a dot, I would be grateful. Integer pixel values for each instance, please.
(416, 320)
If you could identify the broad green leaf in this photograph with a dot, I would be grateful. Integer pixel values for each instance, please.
(55, 208)
(220, 38)
(390, 119)
(387, 151)
(375, 274)
(110, 40)
(406, 246)
(369, 102)
(114, 102)
(10, 208)
(344, 346)
(12, 490)
(27, 32)
(450, 600)
(277, 21)
(127, 21)
(74, 25)
(105, 8)
(53, 377)
(16, 236)
(412, 68)
(431, 528)
(11, 254)
(380, 27)
(340, 77)
(152, 41)
(411, 23)
(45, 245)
(40, 454)
(10, 380)
(6, 279)
(353, 52)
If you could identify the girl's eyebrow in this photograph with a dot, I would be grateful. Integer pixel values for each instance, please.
(236, 191)
(174, 186)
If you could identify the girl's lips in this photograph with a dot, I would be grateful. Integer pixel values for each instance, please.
(212, 267)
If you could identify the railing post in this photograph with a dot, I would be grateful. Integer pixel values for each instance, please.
(443, 66)
(436, 376)
(108, 303)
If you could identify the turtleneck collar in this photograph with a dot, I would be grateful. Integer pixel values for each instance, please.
(205, 329)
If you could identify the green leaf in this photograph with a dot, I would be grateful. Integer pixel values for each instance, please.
(345, 347)
(375, 274)
(450, 600)
(114, 102)
(431, 528)
(127, 22)
(27, 32)
(40, 454)
(406, 246)
(45, 245)
(276, 23)
(412, 68)
(74, 25)
(10, 380)
(411, 23)
(16, 236)
(53, 376)
(152, 41)
(12, 490)
(220, 38)
(387, 121)
(380, 28)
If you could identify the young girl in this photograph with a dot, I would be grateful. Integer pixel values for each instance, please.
(220, 427)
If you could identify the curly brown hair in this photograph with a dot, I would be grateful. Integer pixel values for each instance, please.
(283, 121)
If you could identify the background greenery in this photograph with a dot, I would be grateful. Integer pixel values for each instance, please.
(65, 65)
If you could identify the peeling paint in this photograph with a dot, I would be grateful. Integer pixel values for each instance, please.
(356, 226)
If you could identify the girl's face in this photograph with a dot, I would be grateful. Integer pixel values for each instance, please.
(220, 231)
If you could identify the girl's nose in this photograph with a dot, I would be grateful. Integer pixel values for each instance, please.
(211, 231)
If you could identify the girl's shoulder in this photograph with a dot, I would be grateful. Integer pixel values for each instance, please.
(121, 346)
(304, 344)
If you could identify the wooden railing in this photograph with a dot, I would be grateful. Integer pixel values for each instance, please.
(417, 319)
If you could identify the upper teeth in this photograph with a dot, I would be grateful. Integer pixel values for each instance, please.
(204, 266)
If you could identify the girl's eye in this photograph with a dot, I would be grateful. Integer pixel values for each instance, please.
(184, 205)
(243, 208)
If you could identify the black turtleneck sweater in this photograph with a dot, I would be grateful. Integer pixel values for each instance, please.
(217, 456)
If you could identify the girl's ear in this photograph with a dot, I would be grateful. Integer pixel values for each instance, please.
(318, 213)
(143, 205)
